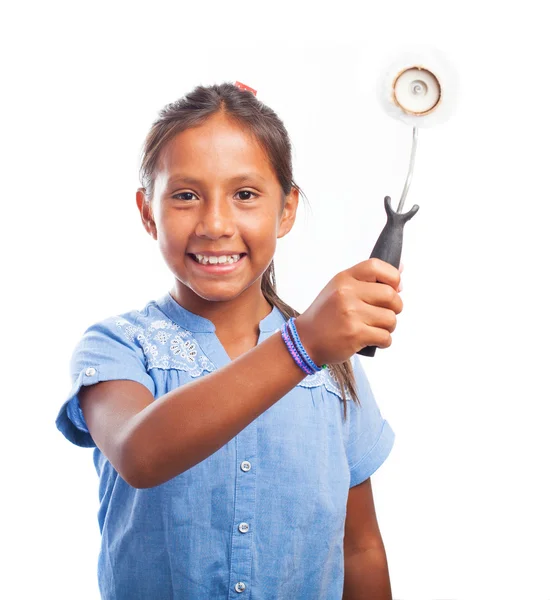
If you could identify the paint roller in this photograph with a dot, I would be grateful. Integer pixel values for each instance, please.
(418, 87)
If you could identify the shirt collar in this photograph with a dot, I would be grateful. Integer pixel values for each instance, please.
(192, 322)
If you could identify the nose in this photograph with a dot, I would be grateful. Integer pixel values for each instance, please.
(216, 219)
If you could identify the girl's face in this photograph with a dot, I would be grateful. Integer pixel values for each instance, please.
(216, 195)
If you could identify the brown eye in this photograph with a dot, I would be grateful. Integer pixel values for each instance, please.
(177, 196)
(246, 192)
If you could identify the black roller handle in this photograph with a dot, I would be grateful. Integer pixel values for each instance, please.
(389, 245)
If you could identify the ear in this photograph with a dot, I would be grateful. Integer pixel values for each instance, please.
(288, 214)
(145, 209)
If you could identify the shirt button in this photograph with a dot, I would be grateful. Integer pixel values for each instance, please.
(90, 371)
(240, 587)
(243, 527)
(245, 466)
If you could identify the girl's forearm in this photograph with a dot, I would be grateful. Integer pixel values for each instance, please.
(188, 424)
(366, 575)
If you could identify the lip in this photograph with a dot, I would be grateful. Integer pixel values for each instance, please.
(217, 269)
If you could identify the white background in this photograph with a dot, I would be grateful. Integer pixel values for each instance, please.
(463, 499)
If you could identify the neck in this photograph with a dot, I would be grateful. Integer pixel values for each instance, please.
(232, 318)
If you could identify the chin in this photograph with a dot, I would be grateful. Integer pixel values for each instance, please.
(216, 295)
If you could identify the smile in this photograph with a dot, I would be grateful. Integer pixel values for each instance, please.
(217, 265)
(217, 260)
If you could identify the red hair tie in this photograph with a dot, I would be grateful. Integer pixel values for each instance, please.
(247, 88)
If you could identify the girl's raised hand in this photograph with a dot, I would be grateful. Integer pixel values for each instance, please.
(357, 308)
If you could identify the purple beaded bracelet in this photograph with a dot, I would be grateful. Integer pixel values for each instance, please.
(297, 342)
(294, 352)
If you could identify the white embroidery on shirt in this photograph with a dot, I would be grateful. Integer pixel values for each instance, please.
(325, 377)
(176, 348)
(161, 337)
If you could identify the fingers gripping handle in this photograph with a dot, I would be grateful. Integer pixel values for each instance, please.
(389, 245)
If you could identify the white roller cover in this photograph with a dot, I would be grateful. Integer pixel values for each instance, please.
(418, 86)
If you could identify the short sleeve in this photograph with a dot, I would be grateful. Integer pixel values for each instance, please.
(103, 353)
(370, 438)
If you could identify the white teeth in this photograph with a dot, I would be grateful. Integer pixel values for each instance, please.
(214, 260)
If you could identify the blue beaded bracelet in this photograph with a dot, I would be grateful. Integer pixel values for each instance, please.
(294, 351)
(301, 349)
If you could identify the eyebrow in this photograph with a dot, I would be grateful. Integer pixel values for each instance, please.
(236, 179)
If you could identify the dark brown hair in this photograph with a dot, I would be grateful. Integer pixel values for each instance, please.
(253, 115)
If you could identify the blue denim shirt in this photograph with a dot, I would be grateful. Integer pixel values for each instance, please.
(260, 519)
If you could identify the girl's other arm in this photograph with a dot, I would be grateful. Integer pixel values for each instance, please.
(151, 441)
(365, 565)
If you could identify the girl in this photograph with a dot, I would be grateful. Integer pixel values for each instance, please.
(226, 467)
